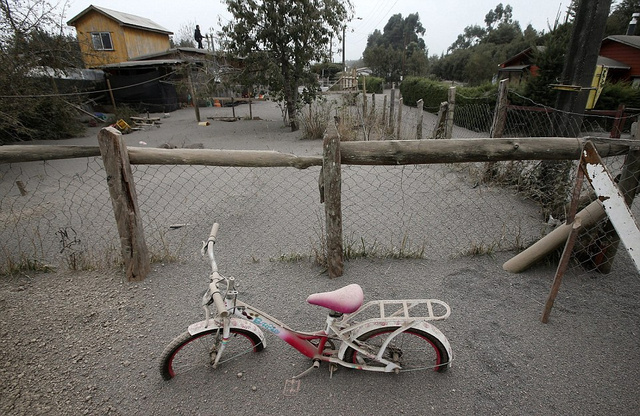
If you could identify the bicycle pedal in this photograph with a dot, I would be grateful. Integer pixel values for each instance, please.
(291, 387)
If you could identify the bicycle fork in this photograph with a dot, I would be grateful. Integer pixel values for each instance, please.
(226, 334)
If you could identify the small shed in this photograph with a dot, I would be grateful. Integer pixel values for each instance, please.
(520, 67)
(147, 85)
(108, 36)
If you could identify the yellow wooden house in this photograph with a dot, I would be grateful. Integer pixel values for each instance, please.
(108, 36)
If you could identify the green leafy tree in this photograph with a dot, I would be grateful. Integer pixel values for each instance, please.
(398, 50)
(476, 53)
(471, 36)
(499, 16)
(279, 39)
(550, 60)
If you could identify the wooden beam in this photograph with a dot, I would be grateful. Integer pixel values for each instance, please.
(586, 218)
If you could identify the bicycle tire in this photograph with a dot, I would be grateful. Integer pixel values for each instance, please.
(426, 351)
(188, 351)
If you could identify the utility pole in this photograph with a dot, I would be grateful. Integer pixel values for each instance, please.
(580, 64)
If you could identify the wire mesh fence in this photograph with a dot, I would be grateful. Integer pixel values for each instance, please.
(58, 213)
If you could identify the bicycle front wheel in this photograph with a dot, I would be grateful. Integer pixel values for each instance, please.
(188, 352)
(412, 350)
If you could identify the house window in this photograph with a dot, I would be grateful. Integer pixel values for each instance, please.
(102, 41)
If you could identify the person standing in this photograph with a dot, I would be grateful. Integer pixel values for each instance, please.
(198, 37)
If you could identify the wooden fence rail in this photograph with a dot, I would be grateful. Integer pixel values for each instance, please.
(350, 153)
(390, 152)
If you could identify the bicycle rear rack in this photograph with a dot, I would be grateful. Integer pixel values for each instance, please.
(401, 310)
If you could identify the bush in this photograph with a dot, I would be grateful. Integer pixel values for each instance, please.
(314, 119)
(374, 84)
(433, 93)
(619, 93)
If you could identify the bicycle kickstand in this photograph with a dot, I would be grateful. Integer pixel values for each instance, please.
(316, 365)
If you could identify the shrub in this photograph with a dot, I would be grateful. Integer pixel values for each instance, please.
(433, 93)
(618, 93)
(314, 119)
(373, 84)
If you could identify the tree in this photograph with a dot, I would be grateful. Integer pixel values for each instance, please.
(619, 19)
(550, 61)
(279, 39)
(184, 37)
(398, 50)
(33, 50)
(471, 36)
(498, 16)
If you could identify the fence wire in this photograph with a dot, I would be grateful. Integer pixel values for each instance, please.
(58, 213)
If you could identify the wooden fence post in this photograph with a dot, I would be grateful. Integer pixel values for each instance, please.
(450, 112)
(618, 124)
(420, 106)
(384, 111)
(500, 114)
(332, 178)
(125, 203)
(364, 107)
(373, 106)
(392, 110)
(498, 123)
(400, 103)
(441, 121)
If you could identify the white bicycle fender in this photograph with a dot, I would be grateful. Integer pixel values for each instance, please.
(420, 325)
(201, 326)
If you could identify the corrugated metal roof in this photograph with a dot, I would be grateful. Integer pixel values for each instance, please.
(125, 19)
(155, 62)
(514, 68)
(633, 41)
(612, 63)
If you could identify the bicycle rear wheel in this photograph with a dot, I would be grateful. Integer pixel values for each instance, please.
(412, 349)
(191, 352)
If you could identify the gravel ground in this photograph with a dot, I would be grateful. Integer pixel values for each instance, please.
(89, 342)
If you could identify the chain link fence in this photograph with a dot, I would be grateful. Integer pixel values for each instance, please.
(58, 213)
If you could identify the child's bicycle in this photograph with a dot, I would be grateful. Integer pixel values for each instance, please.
(380, 335)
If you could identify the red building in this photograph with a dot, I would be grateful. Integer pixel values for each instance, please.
(625, 50)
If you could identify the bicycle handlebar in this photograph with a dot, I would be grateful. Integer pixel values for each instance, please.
(214, 231)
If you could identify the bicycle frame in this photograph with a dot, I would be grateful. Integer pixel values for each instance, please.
(253, 319)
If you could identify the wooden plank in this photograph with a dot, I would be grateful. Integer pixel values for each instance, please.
(613, 202)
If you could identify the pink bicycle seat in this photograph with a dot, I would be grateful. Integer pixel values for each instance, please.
(345, 300)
